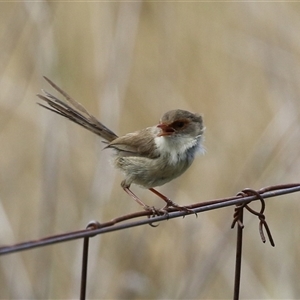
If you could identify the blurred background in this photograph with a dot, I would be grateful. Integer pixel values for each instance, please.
(238, 64)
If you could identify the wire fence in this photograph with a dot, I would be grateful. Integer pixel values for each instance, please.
(241, 202)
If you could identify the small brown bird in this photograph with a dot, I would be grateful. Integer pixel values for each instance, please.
(149, 157)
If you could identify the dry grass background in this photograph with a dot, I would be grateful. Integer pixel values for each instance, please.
(236, 63)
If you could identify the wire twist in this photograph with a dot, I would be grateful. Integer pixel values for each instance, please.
(260, 214)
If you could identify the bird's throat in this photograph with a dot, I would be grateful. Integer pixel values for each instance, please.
(178, 148)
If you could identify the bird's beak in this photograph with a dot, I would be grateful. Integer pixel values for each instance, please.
(165, 130)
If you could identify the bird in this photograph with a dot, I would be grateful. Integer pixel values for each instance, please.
(149, 157)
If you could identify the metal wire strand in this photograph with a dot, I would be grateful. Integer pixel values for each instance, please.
(121, 223)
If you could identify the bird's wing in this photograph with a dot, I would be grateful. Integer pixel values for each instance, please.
(139, 143)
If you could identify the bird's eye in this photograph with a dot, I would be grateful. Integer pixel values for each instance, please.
(178, 124)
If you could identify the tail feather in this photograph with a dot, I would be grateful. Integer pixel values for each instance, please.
(75, 112)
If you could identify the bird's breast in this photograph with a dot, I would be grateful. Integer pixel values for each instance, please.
(178, 149)
(173, 160)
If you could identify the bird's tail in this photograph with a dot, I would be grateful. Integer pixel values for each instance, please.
(75, 112)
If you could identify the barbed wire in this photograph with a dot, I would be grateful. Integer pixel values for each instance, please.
(94, 227)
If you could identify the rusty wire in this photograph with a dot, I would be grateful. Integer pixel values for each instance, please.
(238, 219)
(241, 201)
(263, 223)
(120, 223)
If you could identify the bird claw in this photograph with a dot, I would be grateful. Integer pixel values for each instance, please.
(189, 211)
(170, 203)
(156, 212)
(164, 212)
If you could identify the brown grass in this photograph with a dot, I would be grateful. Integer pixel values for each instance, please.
(236, 63)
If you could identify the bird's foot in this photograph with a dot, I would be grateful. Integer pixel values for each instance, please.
(156, 212)
(170, 203)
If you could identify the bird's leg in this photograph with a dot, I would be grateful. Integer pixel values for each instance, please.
(170, 202)
(146, 207)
